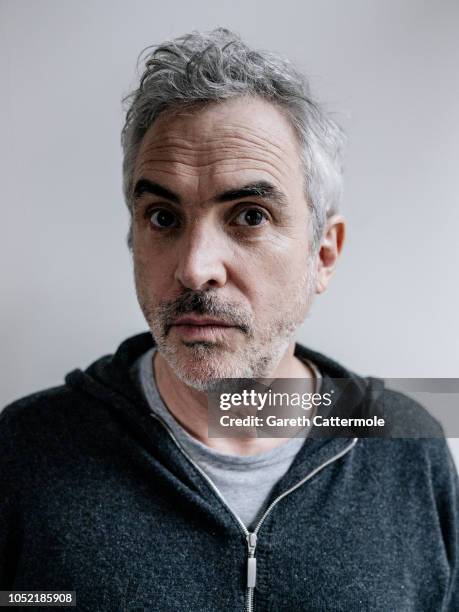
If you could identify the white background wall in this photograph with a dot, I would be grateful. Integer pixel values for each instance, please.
(388, 68)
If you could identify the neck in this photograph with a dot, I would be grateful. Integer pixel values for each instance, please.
(189, 406)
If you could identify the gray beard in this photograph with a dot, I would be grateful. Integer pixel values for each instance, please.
(208, 363)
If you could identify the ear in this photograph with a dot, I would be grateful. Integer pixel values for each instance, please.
(329, 250)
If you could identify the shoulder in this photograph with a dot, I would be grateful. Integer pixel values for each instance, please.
(32, 408)
(46, 420)
(426, 456)
(410, 468)
(39, 409)
(405, 416)
(29, 427)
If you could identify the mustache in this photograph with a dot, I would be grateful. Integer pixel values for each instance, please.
(203, 303)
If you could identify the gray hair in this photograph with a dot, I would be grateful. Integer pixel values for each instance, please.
(215, 66)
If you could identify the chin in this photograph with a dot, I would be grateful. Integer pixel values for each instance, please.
(202, 365)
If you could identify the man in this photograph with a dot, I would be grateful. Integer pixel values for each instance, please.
(111, 484)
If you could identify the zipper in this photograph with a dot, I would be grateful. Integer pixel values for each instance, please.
(252, 558)
(251, 537)
(251, 570)
(201, 471)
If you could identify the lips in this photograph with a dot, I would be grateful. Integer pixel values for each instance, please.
(193, 328)
(201, 322)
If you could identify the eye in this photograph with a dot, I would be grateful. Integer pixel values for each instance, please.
(163, 218)
(251, 217)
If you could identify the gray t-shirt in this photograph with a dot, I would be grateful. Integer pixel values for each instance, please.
(245, 482)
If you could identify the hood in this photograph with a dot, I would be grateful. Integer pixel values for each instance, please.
(109, 379)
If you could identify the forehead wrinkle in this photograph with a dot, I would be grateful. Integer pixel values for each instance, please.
(214, 145)
(225, 128)
(221, 157)
(208, 169)
(199, 154)
(199, 144)
(272, 163)
(259, 137)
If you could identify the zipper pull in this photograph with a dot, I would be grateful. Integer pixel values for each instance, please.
(251, 561)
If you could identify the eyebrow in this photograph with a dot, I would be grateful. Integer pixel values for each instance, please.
(145, 186)
(258, 189)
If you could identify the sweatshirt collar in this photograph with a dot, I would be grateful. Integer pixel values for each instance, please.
(109, 380)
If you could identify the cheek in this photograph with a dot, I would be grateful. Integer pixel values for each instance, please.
(151, 273)
(271, 269)
(278, 257)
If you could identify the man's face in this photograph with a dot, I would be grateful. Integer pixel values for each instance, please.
(220, 237)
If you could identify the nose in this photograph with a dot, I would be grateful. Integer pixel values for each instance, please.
(201, 258)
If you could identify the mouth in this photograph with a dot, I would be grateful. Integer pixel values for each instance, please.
(201, 321)
(201, 328)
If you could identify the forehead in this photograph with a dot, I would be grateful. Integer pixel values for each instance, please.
(239, 139)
